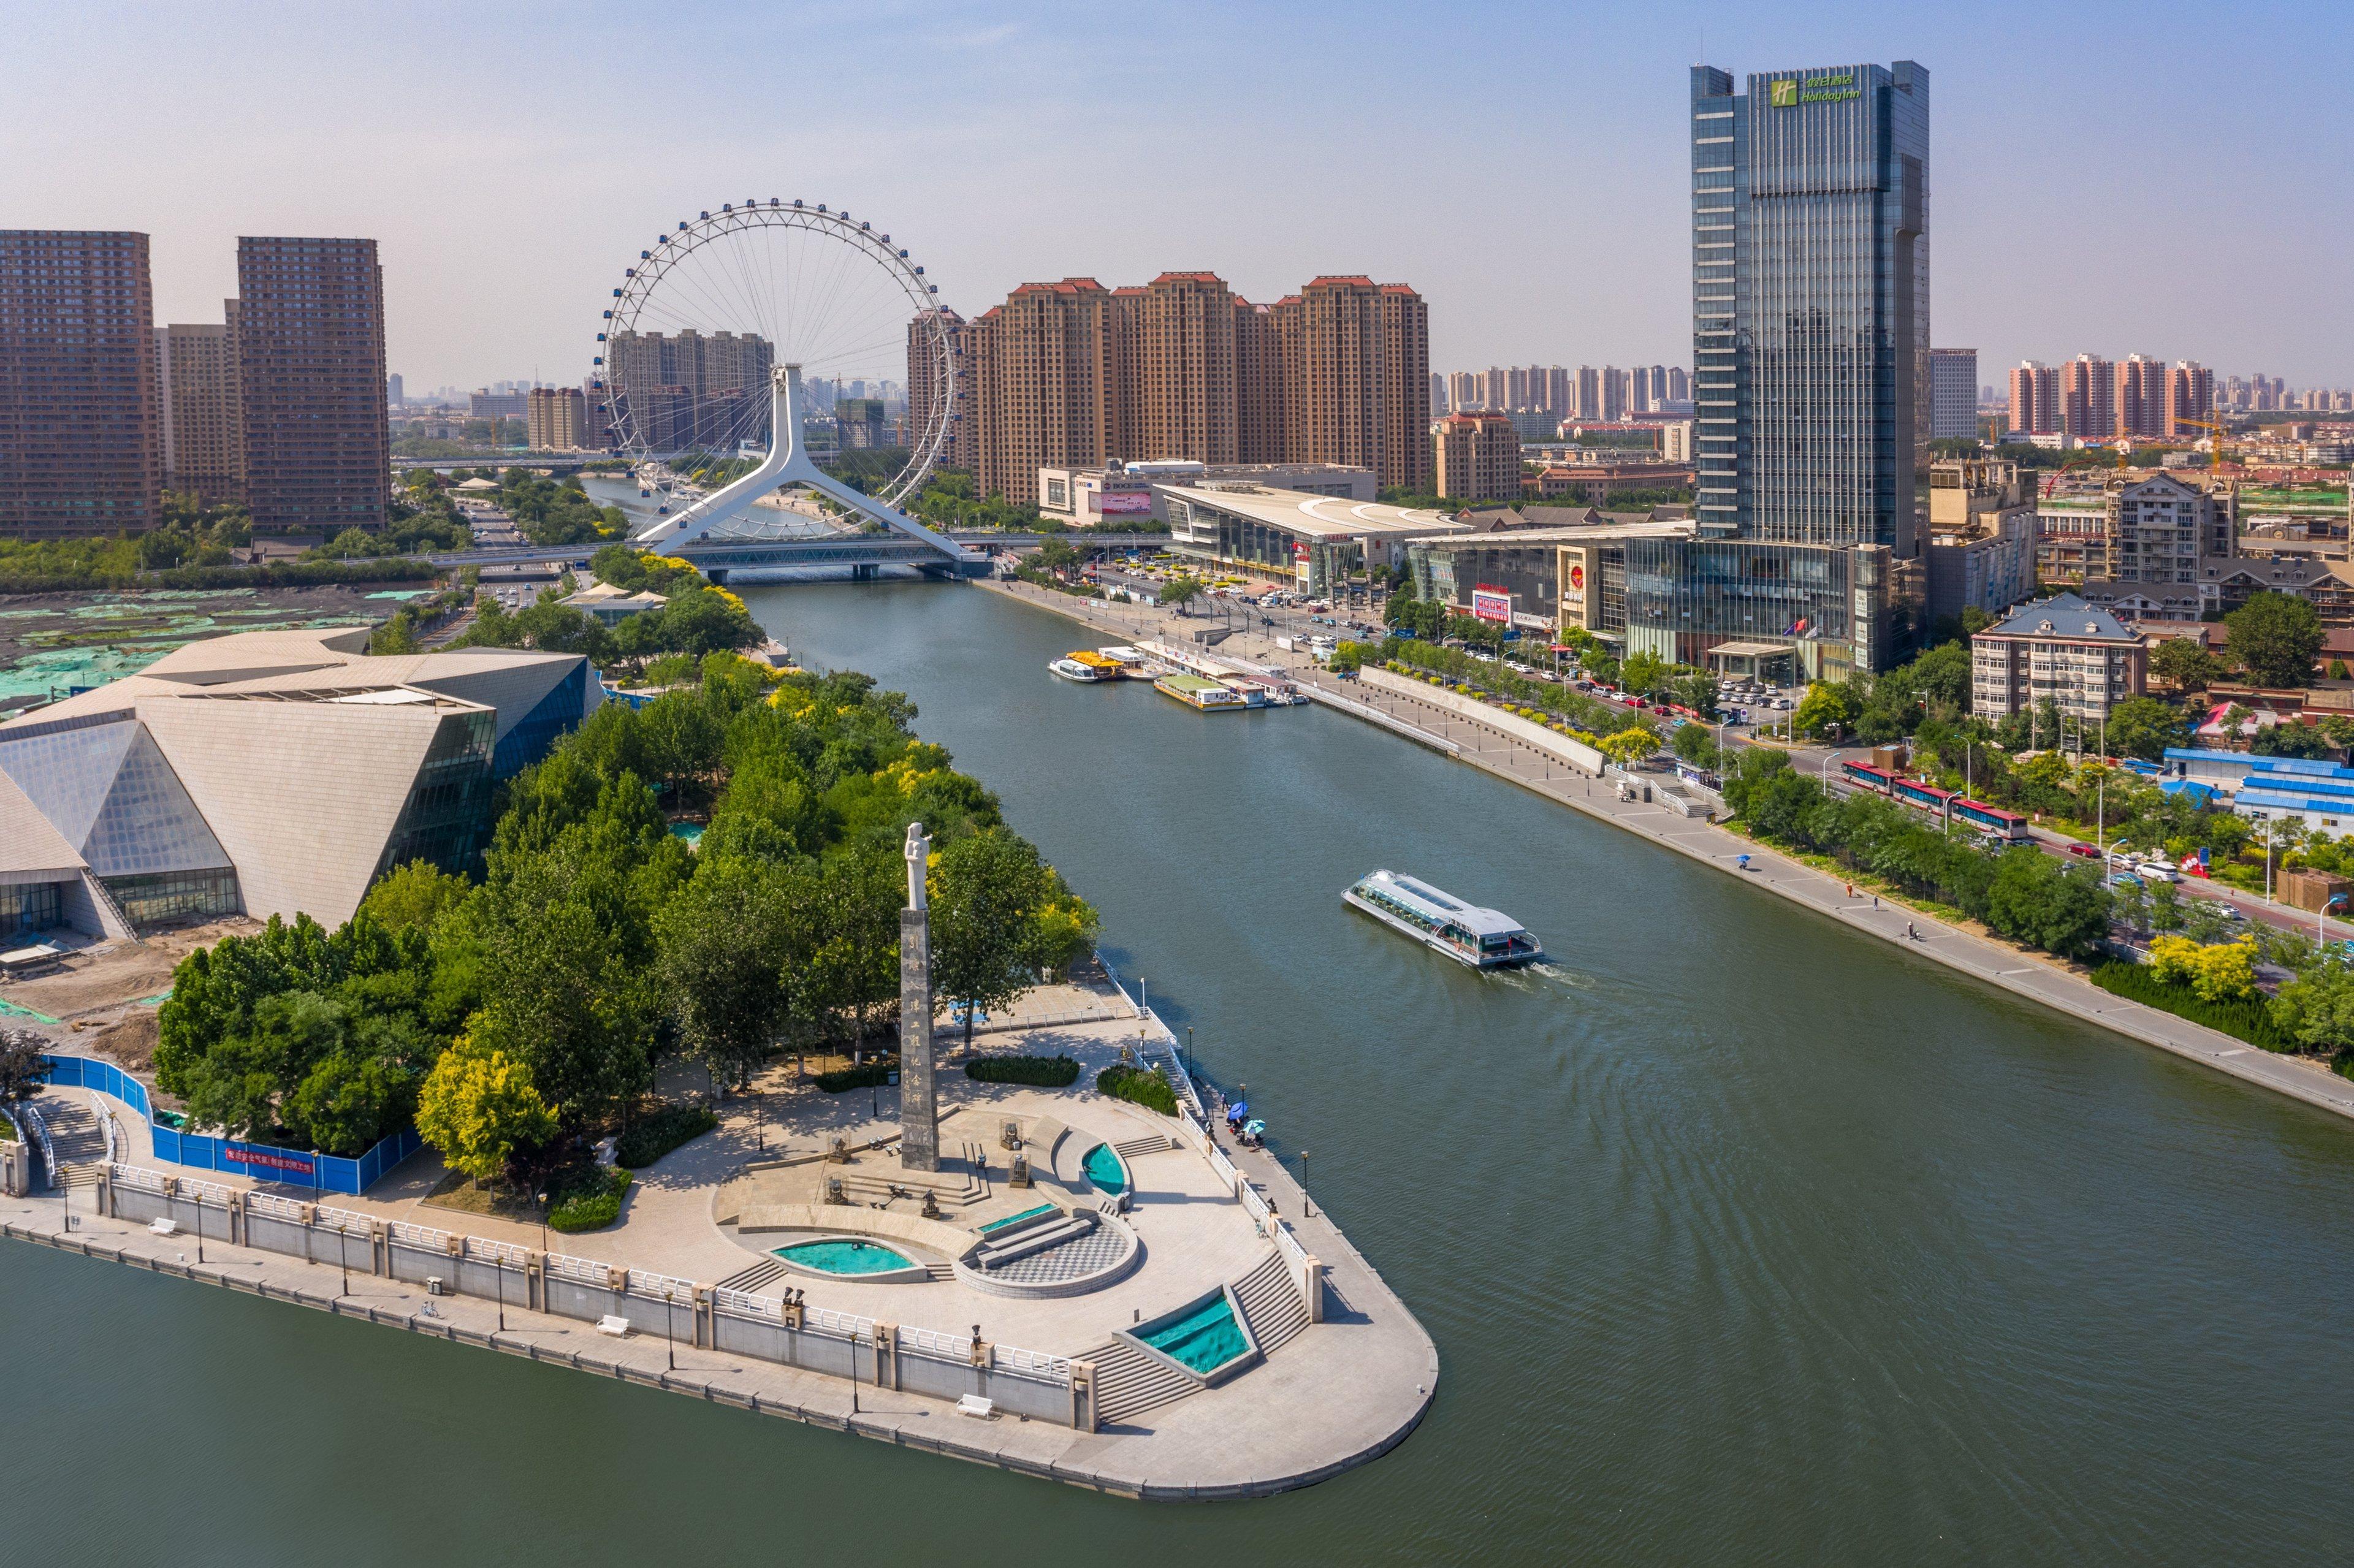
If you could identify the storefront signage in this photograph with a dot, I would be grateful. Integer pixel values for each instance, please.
(1492, 604)
(1124, 502)
(1789, 92)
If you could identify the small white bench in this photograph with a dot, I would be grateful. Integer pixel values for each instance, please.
(617, 1327)
(980, 1409)
(164, 1227)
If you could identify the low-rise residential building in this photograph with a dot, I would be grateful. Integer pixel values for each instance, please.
(2161, 527)
(2061, 649)
(266, 773)
(1981, 552)
(1596, 483)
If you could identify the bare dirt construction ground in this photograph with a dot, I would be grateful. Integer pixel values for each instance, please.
(104, 997)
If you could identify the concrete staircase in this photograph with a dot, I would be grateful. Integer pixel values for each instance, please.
(74, 1131)
(1271, 1304)
(941, 1271)
(1136, 1148)
(765, 1272)
(1129, 1382)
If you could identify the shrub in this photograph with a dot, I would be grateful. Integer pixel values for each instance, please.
(2245, 1020)
(594, 1204)
(1041, 1072)
(655, 1135)
(1137, 1087)
(875, 1073)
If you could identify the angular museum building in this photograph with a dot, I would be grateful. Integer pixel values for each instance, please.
(266, 773)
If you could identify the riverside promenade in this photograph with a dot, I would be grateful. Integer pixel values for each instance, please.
(1337, 1373)
(2033, 976)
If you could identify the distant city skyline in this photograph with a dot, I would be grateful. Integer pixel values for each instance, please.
(504, 213)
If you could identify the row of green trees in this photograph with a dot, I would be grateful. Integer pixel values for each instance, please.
(2021, 892)
(700, 619)
(509, 1011)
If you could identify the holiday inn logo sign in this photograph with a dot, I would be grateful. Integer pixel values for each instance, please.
(1837, 87)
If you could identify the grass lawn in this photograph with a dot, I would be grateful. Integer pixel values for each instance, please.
(468, 1196)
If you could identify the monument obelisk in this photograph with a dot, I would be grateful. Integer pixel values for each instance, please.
(919, 1110)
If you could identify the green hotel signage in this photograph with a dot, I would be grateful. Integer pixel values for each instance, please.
(1789, 92)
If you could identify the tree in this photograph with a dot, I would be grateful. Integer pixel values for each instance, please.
(724, 947)
(1629, 746)
(2145, 727)
(2032, 898)
(2317, 1010)
(2275, 637)
(1823, 707)
(412, 896)
(21, 1072)
(1696, 745)
(1647, 673)
(986, 894)
(2185, 662)
(1696, 689)
(480, 1109)
(1058, 557)
(1179, 592)
(2291, 737)
(2225, 972)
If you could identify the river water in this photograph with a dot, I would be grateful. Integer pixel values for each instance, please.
(1745, 1240)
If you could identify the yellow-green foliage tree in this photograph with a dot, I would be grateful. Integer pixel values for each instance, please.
(2225, 972)
(1629, 746)
(478, 1108)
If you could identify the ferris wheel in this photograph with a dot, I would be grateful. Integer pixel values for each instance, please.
(710, 312)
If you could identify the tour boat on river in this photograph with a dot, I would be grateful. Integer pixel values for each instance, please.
(1086, 664)
(1482, 938)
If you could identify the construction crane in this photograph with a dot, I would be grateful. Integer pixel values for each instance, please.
(2214, 442)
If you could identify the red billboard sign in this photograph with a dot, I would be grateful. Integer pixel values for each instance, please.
(1492, 604)
(1124, 502)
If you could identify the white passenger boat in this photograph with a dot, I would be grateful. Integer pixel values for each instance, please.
(1073, 670)
(1482, 938)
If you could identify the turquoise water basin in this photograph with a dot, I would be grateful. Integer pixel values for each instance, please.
(1205, 1338)
(1024, 1216)
(1103, 1167)
(845, 1258)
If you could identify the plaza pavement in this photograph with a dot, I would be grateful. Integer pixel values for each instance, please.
(2034, 976)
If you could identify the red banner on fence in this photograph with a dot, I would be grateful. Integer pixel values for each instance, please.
(239, 1155)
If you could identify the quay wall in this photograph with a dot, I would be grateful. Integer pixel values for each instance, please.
(918, 1361)
(1525, 731)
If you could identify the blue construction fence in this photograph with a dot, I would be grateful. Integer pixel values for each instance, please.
(321, 1172)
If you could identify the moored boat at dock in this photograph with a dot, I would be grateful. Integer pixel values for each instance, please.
(1481, 938)
(1201, 692)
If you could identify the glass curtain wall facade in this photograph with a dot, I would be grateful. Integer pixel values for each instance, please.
(446, 817)
(1810, 346)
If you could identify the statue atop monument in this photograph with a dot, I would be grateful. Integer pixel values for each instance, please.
(920, 852)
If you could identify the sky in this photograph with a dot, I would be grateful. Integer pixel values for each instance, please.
(2106, 177)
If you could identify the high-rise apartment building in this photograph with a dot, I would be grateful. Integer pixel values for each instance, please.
(2142, 397)
(1811, 342)
(2035, 398)
(394, 393)
(1439, 403)
(672, 391)
(311, 379)
(1495, 391)
(1477, 457)
(1679, 384)
(202, 415)
(1952, 393)
(1074, 374)
(1556, 401)
(555, 418)
(930, 369)
(81, 449)
(1465, 390)
(2190, 396)
(2088, 397)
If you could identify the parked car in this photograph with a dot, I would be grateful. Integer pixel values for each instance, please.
(2087, 850)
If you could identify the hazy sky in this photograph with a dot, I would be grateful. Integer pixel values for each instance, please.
(2161, 178)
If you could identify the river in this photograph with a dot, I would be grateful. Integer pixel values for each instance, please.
(1745, 1239)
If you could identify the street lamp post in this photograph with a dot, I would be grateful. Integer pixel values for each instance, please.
(669, 1328)
(500, 1263)
(1307, 1209)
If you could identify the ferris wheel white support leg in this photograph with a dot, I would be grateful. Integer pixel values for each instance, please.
(788, 462)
